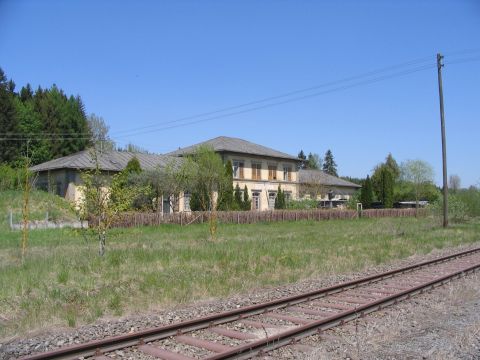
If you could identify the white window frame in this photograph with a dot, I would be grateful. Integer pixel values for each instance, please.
(186, 201)
(257, 197)
(287, 169)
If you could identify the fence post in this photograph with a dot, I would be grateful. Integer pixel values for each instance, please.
(359, 209)
(11, 219)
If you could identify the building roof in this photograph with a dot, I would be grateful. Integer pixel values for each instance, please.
(108, 161)
(318, 176)
(235, 145)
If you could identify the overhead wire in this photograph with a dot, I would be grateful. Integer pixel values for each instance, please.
(158, 126)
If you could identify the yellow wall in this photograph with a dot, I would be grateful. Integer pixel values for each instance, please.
(264, 185)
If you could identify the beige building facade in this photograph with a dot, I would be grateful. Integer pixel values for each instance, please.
(260, 169)
(262, 177)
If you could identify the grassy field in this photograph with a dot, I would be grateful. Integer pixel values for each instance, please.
(41, 202)
(64, 282)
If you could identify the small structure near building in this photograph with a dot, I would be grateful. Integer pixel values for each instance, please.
(329, 190)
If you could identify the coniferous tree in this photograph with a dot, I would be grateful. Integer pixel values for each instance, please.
(366, 193)
(26, 93)
(247, 203)
(237, 199)
(301, 156)
(280, 199)
(47, 122)
(383, 184)
(313, 161)
(329, 164)
(8, 122)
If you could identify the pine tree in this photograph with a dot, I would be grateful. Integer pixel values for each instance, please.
(329, 164)
(280, 199)
(237, 199)
(383, 184)
(8, 122)
(366, 194)
(301, 156)
(246, 203)
(313, 161)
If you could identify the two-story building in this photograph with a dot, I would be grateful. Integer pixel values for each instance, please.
(261, 169)
(258, 167)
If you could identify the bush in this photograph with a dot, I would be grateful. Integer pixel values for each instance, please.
(354, 200)
(10, 178)
(302, 204)
(457, 209)
(471, 198)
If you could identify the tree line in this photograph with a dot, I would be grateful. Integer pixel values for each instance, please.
(391, 183)
(314, 162)
(42, 124)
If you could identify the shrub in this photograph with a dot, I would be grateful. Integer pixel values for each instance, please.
(302, 204)
(457, 209)
(10, 178)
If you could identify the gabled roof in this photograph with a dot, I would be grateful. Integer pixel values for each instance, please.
(318, 176)
(235, 145)
(108, 161)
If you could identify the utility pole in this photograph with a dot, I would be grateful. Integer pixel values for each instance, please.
(444, 142)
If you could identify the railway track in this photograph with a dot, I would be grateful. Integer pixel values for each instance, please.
(249, 331)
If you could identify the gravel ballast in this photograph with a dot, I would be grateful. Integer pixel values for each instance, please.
(461, 316)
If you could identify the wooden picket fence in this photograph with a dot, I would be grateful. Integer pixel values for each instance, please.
(137, 219)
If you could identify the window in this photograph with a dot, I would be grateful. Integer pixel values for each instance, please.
(186, 201)
(288, 196)
(256, 200)
(256, 171)
(287, 173)
(272, 172)
(238, 169)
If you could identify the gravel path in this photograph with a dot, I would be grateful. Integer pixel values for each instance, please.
(460, 317)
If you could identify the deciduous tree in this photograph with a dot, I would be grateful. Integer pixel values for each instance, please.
(207, 177)
(454, 183)
(419, 173)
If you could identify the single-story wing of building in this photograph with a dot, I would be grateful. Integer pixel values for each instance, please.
(62, 176)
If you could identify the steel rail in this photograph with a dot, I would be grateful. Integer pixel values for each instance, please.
(316, 327)
(112, 343)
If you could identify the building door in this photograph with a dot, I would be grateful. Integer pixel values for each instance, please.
(166, 205)
(256, 200)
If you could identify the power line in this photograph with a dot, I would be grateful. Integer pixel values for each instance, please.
(287, 94)
(141, 130)
(254, 102)
(339, 88)
(365, 82)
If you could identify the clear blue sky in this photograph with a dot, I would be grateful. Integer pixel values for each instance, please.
(137, 63)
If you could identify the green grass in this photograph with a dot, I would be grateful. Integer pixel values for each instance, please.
(41, 202)
(64, 282)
